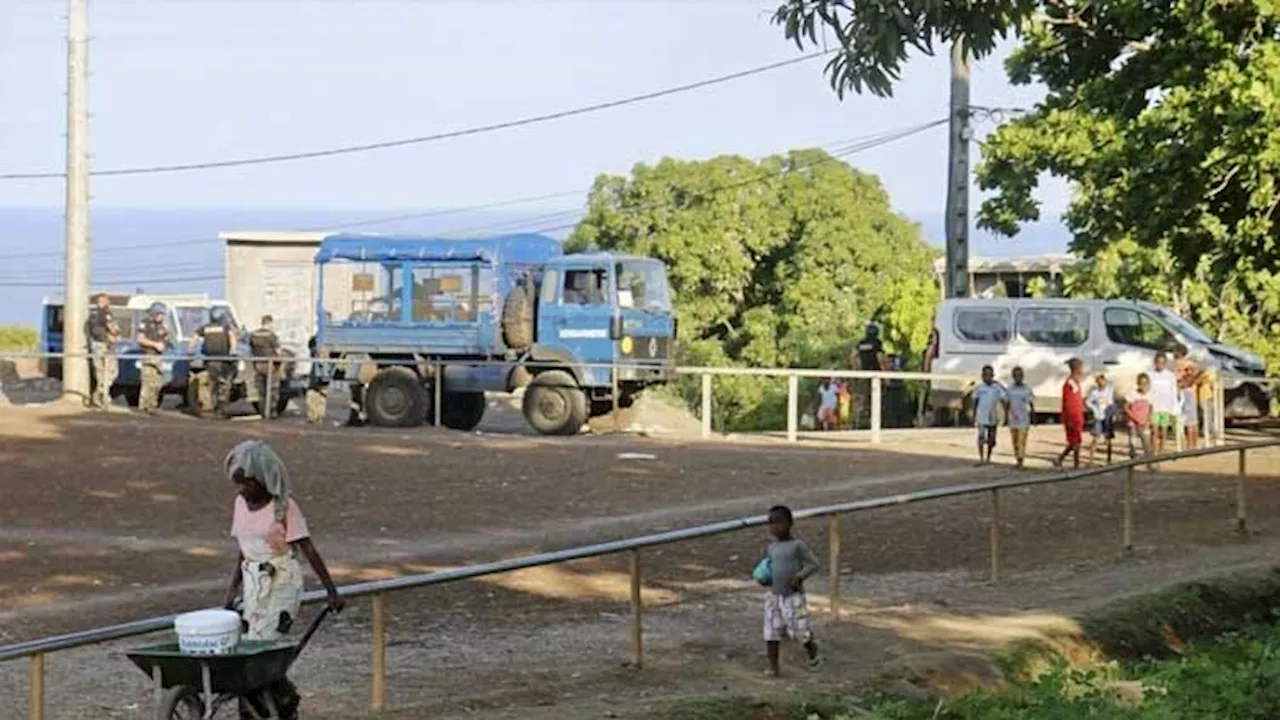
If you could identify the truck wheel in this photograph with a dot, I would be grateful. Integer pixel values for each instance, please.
(554, 404)
(131, 395)
(517, 318)
(462, 410)
(395, 398)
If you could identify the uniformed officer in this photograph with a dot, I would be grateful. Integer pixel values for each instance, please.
(153, 338)
(103, 333)
(869, 356)
(219, 340)
(264, 343)
(317, 388)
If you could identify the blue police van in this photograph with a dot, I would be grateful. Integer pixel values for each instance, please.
(490, 315)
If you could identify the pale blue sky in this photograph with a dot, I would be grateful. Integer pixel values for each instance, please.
(183, 81)
(193, 80)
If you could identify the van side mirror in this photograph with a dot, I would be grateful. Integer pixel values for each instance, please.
(615, 327)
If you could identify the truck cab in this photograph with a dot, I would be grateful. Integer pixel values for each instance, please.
(490, 315)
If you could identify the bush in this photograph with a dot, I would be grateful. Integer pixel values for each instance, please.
(17, 338)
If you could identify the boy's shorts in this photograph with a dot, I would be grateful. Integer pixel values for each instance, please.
(1162, 419)
(786, 616)
(1103, 428)
(987, 435)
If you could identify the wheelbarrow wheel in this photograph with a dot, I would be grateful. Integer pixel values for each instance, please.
(181, 702)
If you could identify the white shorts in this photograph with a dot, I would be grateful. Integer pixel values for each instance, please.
(786, 616)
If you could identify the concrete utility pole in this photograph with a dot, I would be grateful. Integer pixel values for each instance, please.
(957, 275)
(75, 367)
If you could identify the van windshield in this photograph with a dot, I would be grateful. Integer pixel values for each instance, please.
(1184, 327)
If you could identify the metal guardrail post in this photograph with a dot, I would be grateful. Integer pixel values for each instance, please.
(379, 685)
(793, 404)
(995, 535)
(637, 632)
(1127, 542)
(617, 416)
(437, 390)
(1242, 513)
(35, 707)
(706, 405)
(876, 403)
(267, 407)
(834, 538)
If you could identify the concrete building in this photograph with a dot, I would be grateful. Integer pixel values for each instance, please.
(273, 273)
(1010, 277)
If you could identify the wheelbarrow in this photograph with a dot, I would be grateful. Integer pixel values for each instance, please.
(194, 687)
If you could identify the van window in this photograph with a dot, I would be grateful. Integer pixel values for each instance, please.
(1130, 327)
(983, 325)
(1063, 327)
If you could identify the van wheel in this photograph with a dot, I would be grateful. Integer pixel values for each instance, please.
(554, 404)
(462, 410)
(395, 398)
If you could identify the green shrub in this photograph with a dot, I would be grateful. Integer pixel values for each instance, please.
(17, 338)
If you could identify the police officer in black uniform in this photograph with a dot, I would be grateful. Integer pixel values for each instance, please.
(103, 334)
(219, 340)
(868, 356)
(264, 343)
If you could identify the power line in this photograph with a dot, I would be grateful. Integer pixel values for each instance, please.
(568, 219)
(115, 283)
(401, 142)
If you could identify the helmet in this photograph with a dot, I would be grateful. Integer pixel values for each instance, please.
(873, 329)
(157, 308)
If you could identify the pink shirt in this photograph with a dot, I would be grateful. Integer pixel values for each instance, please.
(260, 536)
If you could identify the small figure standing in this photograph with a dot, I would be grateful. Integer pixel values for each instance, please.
(827, 405)
(787, 565)
(1073, 411)
(103, 334)
(1164, 402)
(1188, 373)
(264, 343)
(1020, 403)
(1101, 405)
(1137, 413)
(987, 398)
(844, 405)
(153, 338)
(868, 356)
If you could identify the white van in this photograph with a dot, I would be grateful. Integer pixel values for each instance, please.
(1119, 337)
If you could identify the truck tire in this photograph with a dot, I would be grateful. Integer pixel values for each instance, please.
(554, 404)
(462, 410)
(517, 318)
(395, 398)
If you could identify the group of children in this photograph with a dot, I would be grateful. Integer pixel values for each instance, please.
(835, 404)
(1149, 412)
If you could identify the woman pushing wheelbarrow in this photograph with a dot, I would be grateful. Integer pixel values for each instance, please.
(271, 531)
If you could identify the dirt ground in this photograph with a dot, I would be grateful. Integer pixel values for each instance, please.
(114, 517)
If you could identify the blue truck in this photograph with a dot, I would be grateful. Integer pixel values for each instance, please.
(490, 315)
(183, 377)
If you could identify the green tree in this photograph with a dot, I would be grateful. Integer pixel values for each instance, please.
(777, 263)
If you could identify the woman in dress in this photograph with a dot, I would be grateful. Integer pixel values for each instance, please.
(270, 531)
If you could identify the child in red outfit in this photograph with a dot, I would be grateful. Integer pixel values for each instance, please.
(1073, 411)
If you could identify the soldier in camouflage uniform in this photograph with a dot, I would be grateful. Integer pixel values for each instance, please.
(153, 339)
(264, 343)
(317, 389)
(219, 341)
(103, 332)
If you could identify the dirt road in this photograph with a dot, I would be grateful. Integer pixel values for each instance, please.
(110, 518)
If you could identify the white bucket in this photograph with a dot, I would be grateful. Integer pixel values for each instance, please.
(208, 632)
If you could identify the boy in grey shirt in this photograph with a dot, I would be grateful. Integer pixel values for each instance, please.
(786, 613)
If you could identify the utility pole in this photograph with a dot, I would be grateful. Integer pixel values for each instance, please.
(75, 367)
(956, 280)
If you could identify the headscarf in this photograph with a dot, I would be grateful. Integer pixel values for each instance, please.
(257, 460)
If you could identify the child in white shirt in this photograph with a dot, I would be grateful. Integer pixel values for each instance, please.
(987, 398)
(1020, 404)
(1164, 402)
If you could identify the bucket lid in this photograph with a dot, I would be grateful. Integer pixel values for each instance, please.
(207, 621)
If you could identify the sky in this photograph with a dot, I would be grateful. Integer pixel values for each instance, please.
(182, 81)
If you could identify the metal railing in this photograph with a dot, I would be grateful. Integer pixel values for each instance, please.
(36, 650)
(1214, 433)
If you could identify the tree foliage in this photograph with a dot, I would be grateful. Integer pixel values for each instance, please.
(777, 263)
(874, 37)
(1166, 120)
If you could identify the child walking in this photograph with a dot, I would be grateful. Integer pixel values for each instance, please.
(1073, 411)
(1101, 405)
(1020, 404)
(1137, 413)
(787, 565)
(987, 398)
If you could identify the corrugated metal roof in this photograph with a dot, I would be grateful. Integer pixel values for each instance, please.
(1057, 262)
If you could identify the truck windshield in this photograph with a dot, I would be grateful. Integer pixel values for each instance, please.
(643, 284)
(1184, 327)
